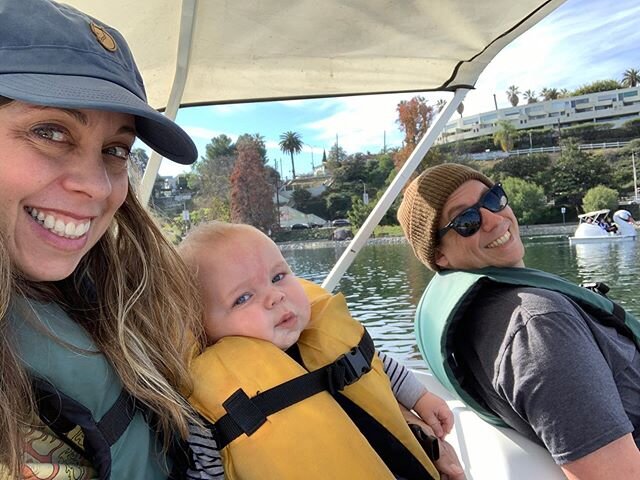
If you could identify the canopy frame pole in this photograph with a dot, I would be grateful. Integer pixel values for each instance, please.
(185, 39)
(359, 241)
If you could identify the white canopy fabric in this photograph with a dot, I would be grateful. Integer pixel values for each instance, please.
(247, 50)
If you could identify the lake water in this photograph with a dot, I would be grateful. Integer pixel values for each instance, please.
(385, 283)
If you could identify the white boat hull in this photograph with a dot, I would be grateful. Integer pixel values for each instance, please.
(602, 238)
(492, 453)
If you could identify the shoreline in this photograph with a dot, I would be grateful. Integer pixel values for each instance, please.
(526, 231)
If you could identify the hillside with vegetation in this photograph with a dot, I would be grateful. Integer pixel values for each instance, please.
(234, 181)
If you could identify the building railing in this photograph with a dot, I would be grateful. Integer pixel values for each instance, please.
(493, 155)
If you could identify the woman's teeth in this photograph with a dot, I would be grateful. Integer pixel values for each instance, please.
(57, 226)
(500, 241)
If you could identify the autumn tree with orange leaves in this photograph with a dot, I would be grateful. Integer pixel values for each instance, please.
(414, 117)
(251, 191)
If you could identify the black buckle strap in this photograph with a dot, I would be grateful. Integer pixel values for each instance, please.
(246, 415)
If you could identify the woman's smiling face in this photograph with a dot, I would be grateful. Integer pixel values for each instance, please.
(64, 175)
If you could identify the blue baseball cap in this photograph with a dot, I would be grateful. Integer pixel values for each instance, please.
(54, 55)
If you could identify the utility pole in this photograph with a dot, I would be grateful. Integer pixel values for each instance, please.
(495, 101)
(277, 190)
(635, 178)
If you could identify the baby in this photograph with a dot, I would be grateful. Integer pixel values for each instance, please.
(248, 290)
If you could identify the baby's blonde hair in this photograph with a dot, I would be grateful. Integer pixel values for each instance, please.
(201, 239)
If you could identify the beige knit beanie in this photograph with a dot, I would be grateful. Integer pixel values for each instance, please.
(421, 208)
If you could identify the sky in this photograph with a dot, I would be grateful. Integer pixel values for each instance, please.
(582, 41)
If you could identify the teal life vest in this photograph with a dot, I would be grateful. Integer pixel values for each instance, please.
(80, 396)
(449, 294)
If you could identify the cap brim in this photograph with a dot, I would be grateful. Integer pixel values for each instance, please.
(160, 133)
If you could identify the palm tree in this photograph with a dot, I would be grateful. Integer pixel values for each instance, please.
(504, 135)
(530, 96)
(440, 104)
(549, 93)
(631, 77)
(512, 95)
(291, 142)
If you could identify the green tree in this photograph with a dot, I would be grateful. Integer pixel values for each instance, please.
(575, 172)
(599, 198)
(631, 77)
(210, 174)
(527, 200)
(504, 136)
(597, 86)
(338, 204)
(336, 156)
(359, 212)
(532, 168)
(139, 159)
(251, 191)
(512, 95)
(291, 143)
(300, 197)
(530, 96)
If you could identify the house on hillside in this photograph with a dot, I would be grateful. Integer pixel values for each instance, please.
(290, 216)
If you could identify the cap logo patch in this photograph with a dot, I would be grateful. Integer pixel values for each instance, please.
(103, 37)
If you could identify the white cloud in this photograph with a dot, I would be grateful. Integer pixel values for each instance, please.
(361, 123)
(202, 132)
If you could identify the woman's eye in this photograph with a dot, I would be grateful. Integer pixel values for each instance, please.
(50, 132)
(277, 278)
(118, 151)
(242, 299)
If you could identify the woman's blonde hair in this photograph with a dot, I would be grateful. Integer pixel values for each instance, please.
(145, 318)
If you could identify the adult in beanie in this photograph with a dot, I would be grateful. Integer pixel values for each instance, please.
(521, 347)
(96, 337)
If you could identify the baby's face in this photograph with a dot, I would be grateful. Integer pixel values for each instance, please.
(249, 290)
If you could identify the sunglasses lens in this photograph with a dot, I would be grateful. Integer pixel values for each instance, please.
(495, 199)
(468, 222)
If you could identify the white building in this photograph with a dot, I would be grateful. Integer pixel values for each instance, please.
(613, 106)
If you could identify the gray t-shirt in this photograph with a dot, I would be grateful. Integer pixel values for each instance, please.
(550, 370)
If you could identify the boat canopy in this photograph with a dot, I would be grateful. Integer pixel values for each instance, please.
(214, 51)
(595, 214)
(205, 52)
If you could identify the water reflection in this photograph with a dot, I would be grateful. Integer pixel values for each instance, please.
(385, 283)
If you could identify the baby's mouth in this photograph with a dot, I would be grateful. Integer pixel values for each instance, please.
(286, 320)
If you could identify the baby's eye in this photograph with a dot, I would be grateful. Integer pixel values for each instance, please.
(277, 278)
(118, 151)
(50, 132)
(242, 299)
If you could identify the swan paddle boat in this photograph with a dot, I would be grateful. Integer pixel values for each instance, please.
(597, 226)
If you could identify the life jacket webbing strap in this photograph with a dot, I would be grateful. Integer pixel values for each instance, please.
(246, 415)
(114, 423)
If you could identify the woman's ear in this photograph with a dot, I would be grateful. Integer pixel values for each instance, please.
(441, 259)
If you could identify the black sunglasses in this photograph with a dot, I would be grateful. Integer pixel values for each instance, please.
(468, 222)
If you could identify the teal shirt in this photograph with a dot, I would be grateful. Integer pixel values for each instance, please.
(85, 376)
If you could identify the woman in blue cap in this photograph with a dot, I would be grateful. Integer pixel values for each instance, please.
(95, 335)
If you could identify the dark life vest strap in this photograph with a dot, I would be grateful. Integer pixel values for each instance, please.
(246, 415)
(62, 414)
